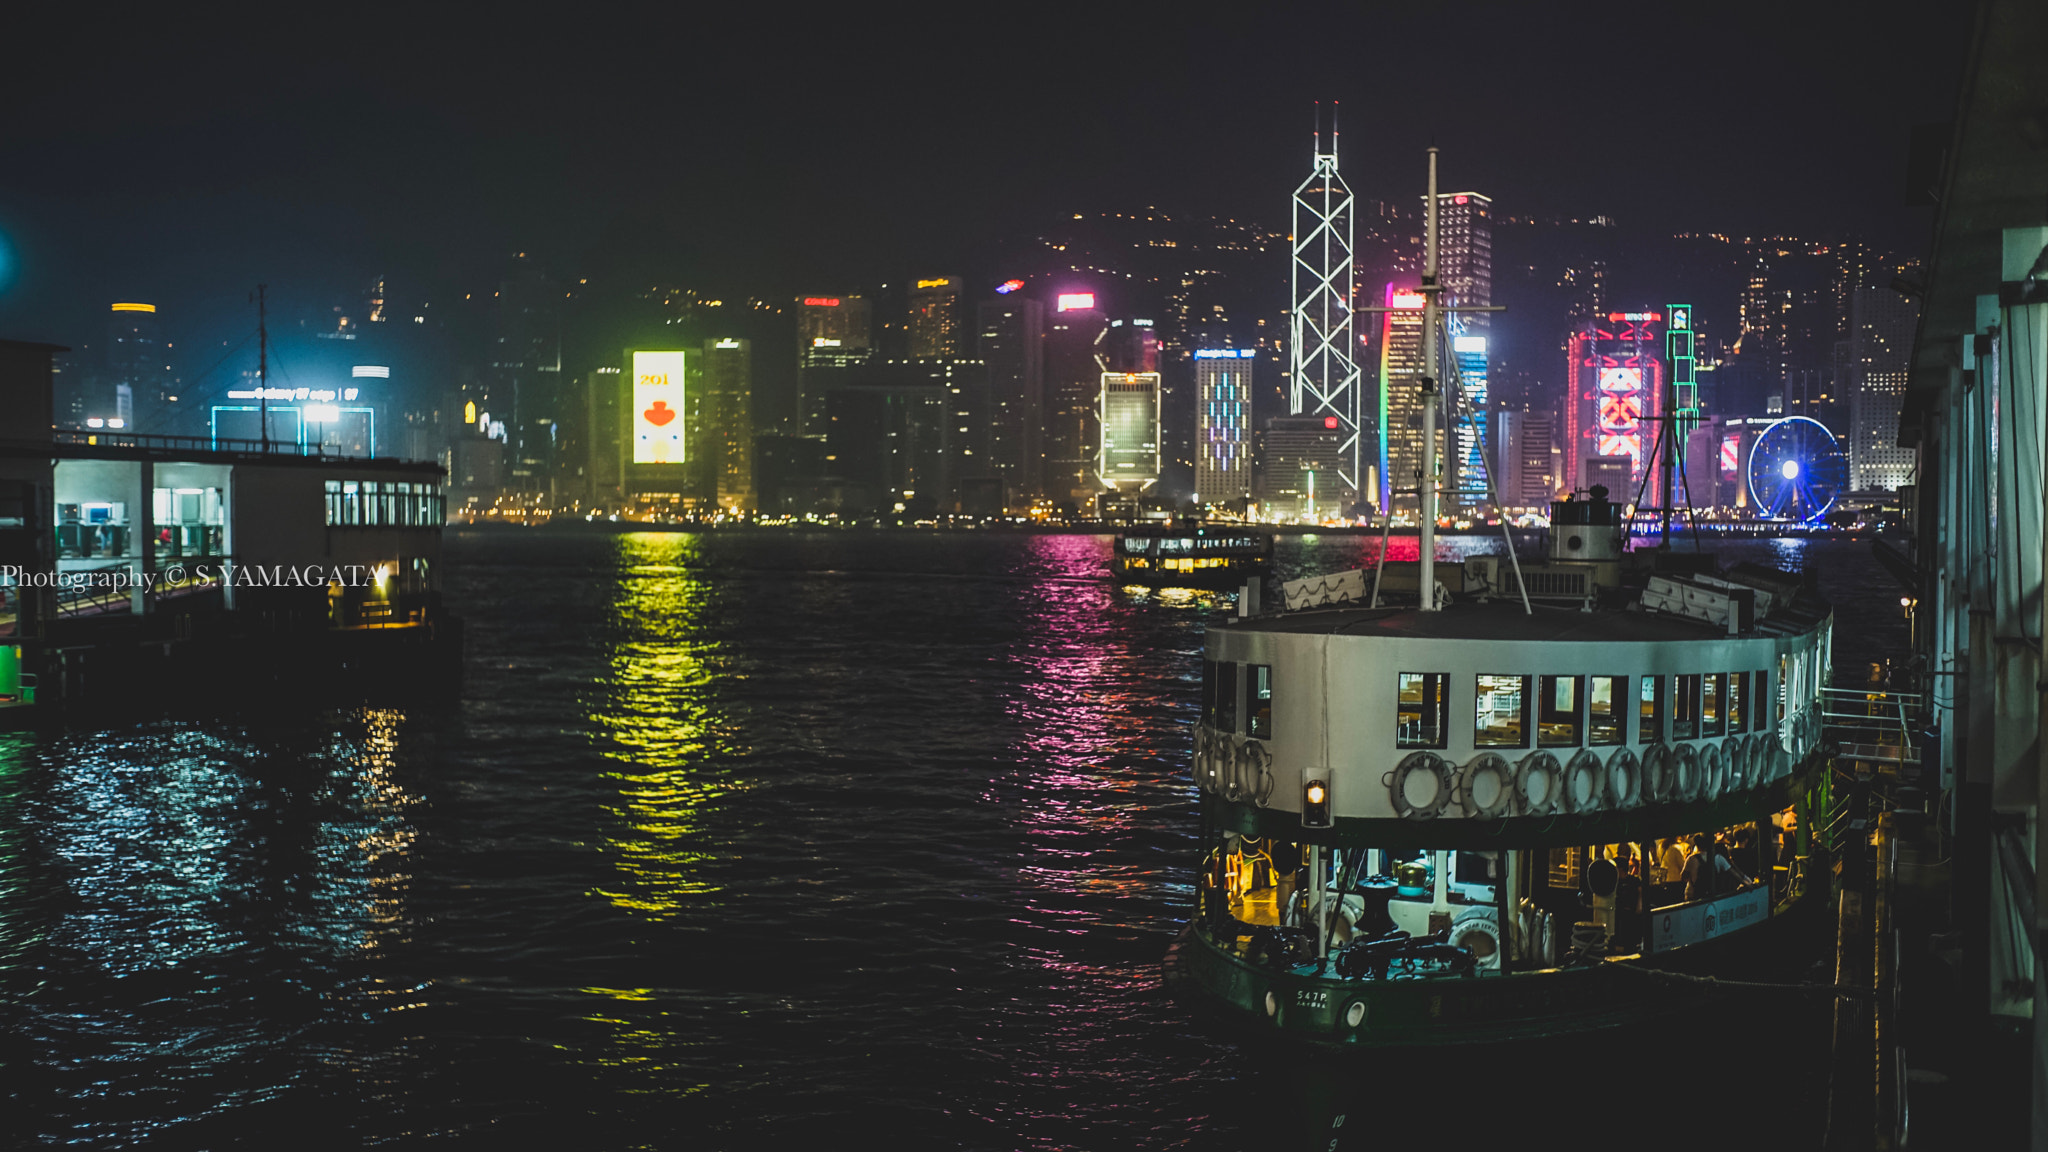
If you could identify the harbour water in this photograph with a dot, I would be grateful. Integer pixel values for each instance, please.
(742, 840)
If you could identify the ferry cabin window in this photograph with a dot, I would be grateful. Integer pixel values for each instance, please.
(1712, 721)
(1685, 708)
(1650, 711)
(1559, 706)
(1607, 706)
(1259, 701)
(1221, 695)
(1738, 717)
(1784, 677)
(1422, 717)
(1759, 697)
(1499, 718)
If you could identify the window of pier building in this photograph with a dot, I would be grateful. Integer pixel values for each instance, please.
(1422, 715)
(384, 503)
(1259, 701)
(1607, 708)
(1650, 711)
(1738, 714)
(1500, 714)
(1560, 709)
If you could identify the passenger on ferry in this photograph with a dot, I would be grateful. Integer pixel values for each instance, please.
(1671, 860)
(1708, 870)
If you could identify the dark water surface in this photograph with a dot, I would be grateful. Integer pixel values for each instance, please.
(737, 840)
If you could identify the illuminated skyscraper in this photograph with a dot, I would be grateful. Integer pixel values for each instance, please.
(833, 333)
(725, 431)
(1073, 375)
(1468, 435)
(1465, 253)
(1400, 406)
(1011, 341)
(833, 330)
(136, 377)
(1325, 374)
(1617, 395)
(1304, 455)
(935, 317)
(1223, 399)
(1881, 344)
(1127, 409)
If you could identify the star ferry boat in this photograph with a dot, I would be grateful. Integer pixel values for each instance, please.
(1502, 817)
(1545, 796)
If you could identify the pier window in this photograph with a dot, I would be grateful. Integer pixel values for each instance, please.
(384, 503)
(1259, 701)
(1607, 709)
(1712, 720)
(1650, 711)
(1738, 715)
(1559, 709)
(1423, 714)
(1500, 719)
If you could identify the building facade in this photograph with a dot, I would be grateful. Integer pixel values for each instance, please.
(934, 323)
(1880, 352)
(1302, 478)
(1223, 414)
(1127, 410)
(1010, 339)
(1616, 365)
(725, 429)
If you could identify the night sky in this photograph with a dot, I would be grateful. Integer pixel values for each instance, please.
(768, 149)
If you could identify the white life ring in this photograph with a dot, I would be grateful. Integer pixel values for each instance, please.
(1478, 929)
(1713, 771)
(1409, 786)
(1541, 783)
(1685, 773)
(1486, 786)
(1230, 781)
(1624, 779)
(1735, 751)
(1657, 773)
(1585, 783)
(1259, 772)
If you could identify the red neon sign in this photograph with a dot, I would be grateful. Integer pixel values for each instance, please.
(1458, 199)
(1329, 421)
(821, 302)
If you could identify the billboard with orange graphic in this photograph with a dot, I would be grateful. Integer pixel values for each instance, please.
(658, 420)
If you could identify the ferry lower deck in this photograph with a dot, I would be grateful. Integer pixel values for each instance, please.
(1335, 940)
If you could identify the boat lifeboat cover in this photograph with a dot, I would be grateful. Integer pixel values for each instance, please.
(1486, 788)
(1542, 782)
(1624, 779)
(1585, 783)
(1420, 786)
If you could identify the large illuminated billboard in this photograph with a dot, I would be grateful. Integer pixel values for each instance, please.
(1076, 301)
(658, 422)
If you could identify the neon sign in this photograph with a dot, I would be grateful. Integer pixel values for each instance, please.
(1072, 301)
(1405, 300)
(1008, 286)
(941, 282)
(1224, 353)
(1634, 317)
(821, 301)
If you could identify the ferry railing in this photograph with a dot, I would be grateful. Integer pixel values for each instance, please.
(1873, 726)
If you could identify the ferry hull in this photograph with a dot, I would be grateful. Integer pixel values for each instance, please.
(1313, 1010)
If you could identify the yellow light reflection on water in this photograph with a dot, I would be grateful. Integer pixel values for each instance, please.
(657, 716)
